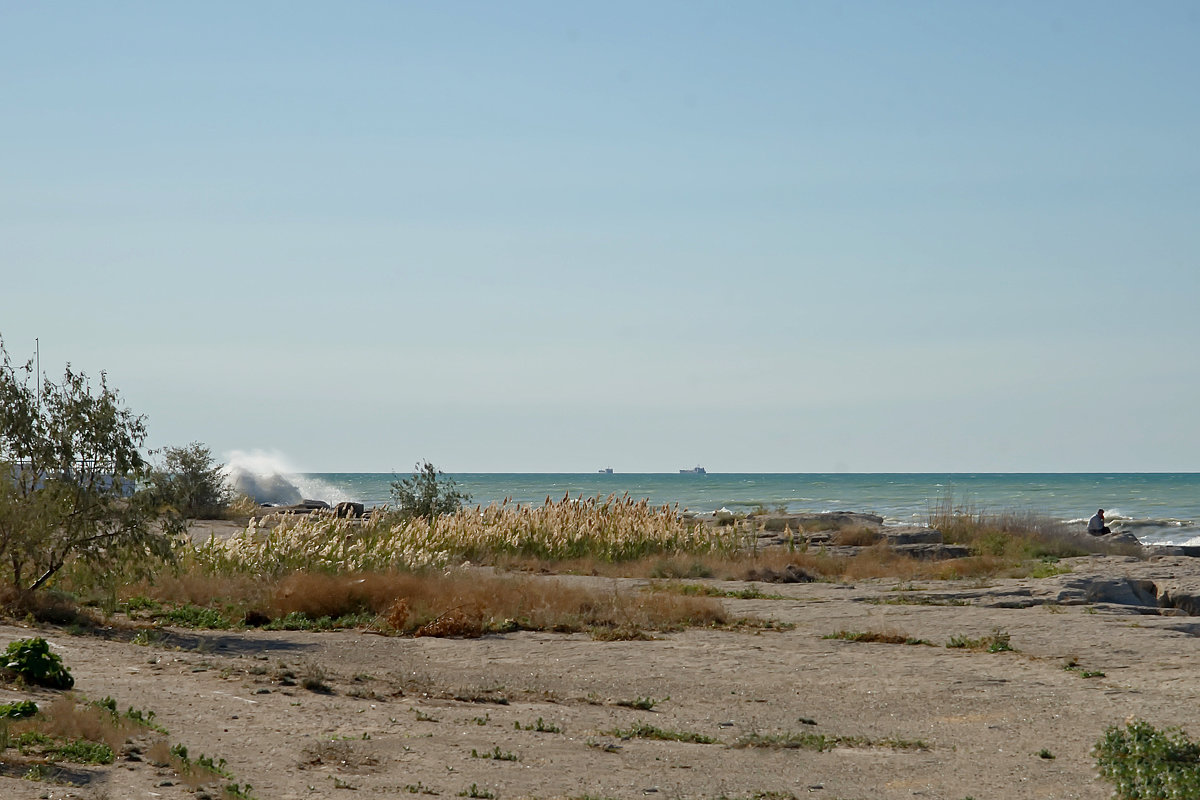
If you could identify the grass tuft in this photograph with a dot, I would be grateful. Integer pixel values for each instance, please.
(998, 641)
(643, 730)
(883, 637)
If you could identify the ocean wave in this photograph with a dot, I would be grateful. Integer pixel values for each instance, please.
(266, 477)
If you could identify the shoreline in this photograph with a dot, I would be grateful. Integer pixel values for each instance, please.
(1160, 507)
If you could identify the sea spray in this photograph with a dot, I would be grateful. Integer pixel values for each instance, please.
(267, 478)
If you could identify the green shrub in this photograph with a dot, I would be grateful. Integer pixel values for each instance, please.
(427, 493)
(31, 661)
(18, 710)
(81, 751)
(191, 483)
(1144, 763)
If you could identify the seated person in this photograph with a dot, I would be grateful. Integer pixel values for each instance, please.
(1096, 526)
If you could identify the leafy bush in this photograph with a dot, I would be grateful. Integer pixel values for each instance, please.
(32, 661)
(427, 493)
(18, 710)
(191, 483)
(1144, 763)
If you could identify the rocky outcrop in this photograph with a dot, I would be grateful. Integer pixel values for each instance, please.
(911, 534)
(1119, 537)
(919, 551)
(1114, 594)
(1088, 590)
(1184, 599)
(825, 521)
(1172, 550)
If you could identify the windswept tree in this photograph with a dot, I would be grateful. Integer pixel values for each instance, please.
(428, 493)
(71, 472)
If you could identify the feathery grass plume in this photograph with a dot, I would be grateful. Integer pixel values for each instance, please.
(610, 529)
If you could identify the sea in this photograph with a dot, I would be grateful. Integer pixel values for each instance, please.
(1159, 508)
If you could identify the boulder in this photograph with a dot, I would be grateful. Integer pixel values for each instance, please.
(347, 510)
(911, 534)
(928, 551)
(1119, 537)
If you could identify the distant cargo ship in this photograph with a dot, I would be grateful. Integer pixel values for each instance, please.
(697, 470)
(606, 471)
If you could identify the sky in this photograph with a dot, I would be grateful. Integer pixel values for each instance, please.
(545, 236)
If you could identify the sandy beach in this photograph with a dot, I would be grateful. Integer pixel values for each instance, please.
(461, 717)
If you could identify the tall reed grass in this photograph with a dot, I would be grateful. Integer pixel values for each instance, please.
(611, 529)
(1015, 535)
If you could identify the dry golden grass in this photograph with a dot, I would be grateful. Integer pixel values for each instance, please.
(200, 588)
(858, 536)
(67, 718)
(320, 569)
(877, 637)
(462, 603)
(1014, 536)
(470, 604)
(608, 529)
(877, 561)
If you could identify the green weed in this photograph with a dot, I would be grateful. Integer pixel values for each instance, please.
(1144, 763)
(496, 754)
(541, 726)
(31, 661)
(642, 730)
(640, 703)
(998, 641)
(819, 742)
(192, 616)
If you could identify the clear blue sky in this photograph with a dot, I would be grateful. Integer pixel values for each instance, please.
(793, 236)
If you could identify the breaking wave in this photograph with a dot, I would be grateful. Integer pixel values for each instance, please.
(268, 478)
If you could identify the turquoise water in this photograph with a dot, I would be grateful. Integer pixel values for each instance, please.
(1157, 507)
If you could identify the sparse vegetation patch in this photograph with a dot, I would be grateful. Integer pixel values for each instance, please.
(998, 641)
(1145, 763)
(883, 637)
(793, 740)
(643, 730)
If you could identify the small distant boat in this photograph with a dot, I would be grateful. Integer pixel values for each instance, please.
(606, 471)
(696, 470)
